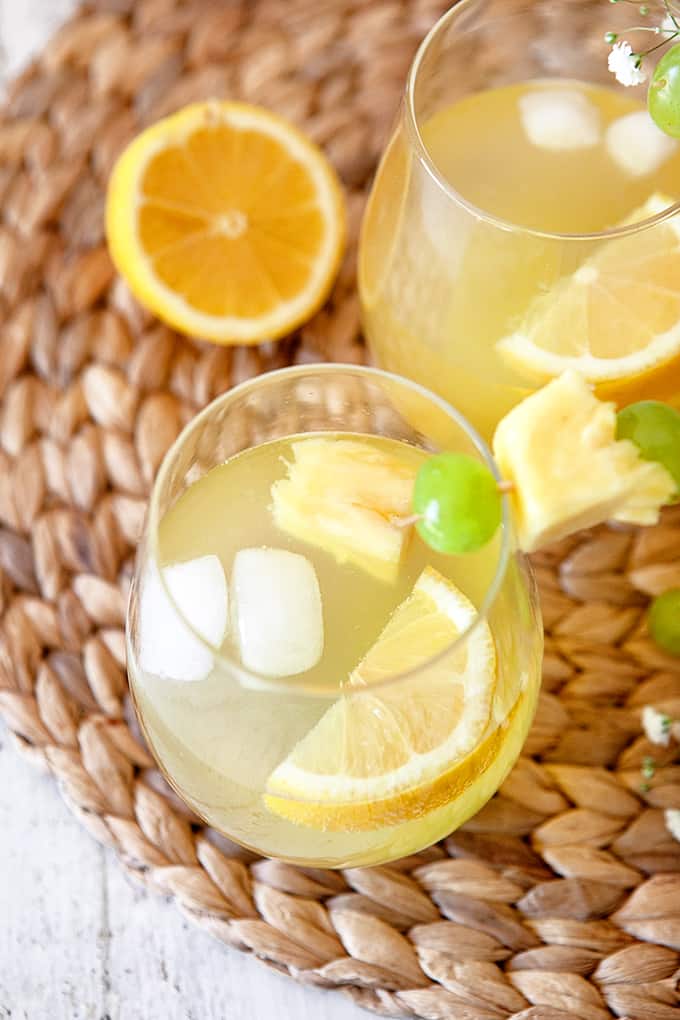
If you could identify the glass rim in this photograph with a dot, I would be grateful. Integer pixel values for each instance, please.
(429, 164)
(289, 685)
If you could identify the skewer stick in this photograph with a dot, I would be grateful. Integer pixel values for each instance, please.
(406, 522)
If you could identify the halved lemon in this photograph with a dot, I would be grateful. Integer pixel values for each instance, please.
(383, 755)
(226, 222)
(616, 319)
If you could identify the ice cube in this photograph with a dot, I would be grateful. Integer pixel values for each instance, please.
(560, 119)
(277, 612)
(167, 645)
(637, 145)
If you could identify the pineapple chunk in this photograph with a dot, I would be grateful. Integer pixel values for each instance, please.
(343, 495)
(559, 448)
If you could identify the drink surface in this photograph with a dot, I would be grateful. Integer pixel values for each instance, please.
(442, 284)
(220, 737)
(482, 148)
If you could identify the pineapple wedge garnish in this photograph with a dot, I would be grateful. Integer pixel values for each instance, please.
(346, 496)
(559, 449)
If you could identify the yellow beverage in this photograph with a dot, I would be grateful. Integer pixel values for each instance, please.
(220, 736)
(495, 224)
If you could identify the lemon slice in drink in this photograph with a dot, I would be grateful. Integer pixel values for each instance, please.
(226, 222)
(616, 318)
(386, 754)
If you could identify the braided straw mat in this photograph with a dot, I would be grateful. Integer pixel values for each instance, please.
(561, 898)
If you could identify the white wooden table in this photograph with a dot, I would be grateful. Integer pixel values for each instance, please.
(77, 940)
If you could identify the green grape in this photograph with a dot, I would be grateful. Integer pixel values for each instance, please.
(655, 429)
(664, 621)
(458, 500)
(663, 98)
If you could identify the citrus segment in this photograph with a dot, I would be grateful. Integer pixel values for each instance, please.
(617, 317)
(226, 222)
(381, 754)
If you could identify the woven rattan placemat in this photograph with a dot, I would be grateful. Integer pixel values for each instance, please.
(561, 899)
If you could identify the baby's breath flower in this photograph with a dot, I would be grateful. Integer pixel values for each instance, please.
(672, 818)
(626, 65)
(657, 726)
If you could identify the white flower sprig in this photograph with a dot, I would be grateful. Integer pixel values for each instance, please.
(657, 725)
(626, 65)
(672, 819)
(625, 62)
(659, 729)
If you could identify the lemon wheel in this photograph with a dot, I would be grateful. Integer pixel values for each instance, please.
(226, 222)
(387, 754)
(616, 320)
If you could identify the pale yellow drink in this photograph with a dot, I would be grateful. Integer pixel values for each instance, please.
(445, 275)
(220, 738)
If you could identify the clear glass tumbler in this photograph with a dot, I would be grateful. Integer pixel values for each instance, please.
(219, 730)
(567, 247)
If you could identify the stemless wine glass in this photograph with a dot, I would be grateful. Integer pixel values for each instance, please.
(462, 254)
(218, 729)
